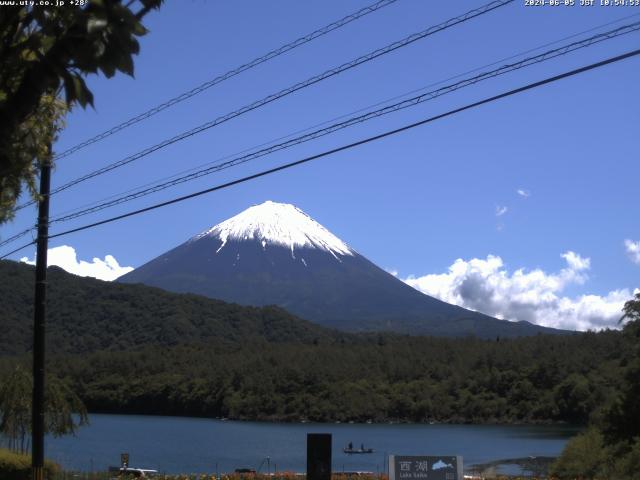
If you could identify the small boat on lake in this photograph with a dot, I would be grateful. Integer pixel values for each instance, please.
(350, 450)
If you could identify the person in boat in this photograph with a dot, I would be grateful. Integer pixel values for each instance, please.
(350, 447)
(362, 447)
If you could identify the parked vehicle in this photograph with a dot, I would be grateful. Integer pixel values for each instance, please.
(132, 472)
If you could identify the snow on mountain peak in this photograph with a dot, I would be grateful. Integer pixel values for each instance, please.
(278, 224)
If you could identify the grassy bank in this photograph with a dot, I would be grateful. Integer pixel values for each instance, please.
(17, 466)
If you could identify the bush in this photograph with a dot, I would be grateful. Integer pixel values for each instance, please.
(627, 463)
(583, 457)
(16, 466)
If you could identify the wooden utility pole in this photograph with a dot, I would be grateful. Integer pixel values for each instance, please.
(37, 406)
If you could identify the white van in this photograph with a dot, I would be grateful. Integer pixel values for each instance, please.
(132, 472)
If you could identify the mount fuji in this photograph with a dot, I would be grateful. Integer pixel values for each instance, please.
(274, 253)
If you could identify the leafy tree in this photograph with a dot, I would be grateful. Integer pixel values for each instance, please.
(15, 408)
(627, 463)
(623, 422)
(583, 457)
(43, 51)
(573, 399)
(611, 447)
(632, 309)
(27, 150)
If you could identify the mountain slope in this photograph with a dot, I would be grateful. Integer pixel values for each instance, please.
(136, 349)
(85, 314)
(276, 254)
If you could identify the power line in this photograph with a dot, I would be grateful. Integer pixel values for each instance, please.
(287, 91)
(340, 117)
(11, 239)
(194, 174)
(17, 250)
(221, 78)
(199, 168)
(349, 146)
(231, 73)
(416, 100)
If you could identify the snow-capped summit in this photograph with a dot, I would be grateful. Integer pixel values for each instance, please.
(281, 224)
(275, 254)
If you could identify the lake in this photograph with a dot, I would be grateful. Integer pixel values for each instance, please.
(197, 445)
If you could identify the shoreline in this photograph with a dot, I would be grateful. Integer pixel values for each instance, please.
(390, 421)
(197, 444)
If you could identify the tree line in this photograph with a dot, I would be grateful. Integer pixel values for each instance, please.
(381, 378)
(136, 349)
(610, 447)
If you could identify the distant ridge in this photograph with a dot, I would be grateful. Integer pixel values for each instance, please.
(87, 315)
(274, 253)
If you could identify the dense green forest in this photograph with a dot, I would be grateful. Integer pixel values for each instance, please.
(610, 447)
(540, 379)
(136, 349)
(86, 315)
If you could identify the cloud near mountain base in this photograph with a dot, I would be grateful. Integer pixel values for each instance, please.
(485, 285)
(66, 258)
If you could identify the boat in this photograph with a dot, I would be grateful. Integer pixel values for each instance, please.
(350, 450)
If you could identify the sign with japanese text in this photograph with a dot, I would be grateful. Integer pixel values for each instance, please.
(447, 467)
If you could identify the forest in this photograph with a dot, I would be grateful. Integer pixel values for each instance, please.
(136, 349)
(388, 378)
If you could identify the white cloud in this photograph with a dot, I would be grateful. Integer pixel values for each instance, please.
(485, 285)
(523, 193)
(576, 263)
(633, 250)
(501, 211)
(65, 257)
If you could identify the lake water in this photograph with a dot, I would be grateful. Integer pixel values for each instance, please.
(196, 445)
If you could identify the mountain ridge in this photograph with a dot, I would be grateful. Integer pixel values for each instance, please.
(85, 314)
(140, 350)
(276, 254)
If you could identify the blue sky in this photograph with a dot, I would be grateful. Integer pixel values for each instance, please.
(413, 203)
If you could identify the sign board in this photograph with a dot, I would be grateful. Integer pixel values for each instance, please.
(446, 467)
(124, 460)
(318, 456)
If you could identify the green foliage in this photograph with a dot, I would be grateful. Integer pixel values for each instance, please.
(15, 408)
(86, 315)
(573, 399)
(627, 463)
(632, 309)
(589, 455)
(26, 150)
(611, 447)
(583, 457)
(136, 349)
(44, 50)
(16, 466)
(622, 419)
(61, 403)
(347, 379)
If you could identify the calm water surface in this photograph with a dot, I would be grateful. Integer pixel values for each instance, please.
(194, 445)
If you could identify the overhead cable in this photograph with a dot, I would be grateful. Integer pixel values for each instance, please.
(349, 146)
(283, 93)
(548, 55)
(230, 74)
(343, 116)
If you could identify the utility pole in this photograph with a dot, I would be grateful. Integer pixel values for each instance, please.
(37, 406)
